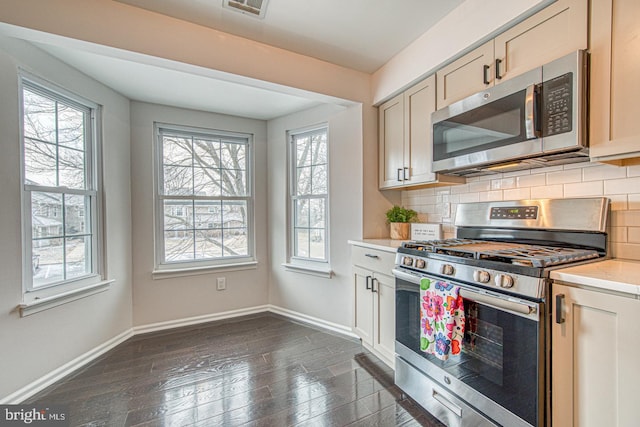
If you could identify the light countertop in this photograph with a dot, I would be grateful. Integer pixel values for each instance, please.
(387, 245)
(613, 274)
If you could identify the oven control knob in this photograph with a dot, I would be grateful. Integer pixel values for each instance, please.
(504, 280)
(420, 263)
(447, 270)
(481, 276)
(407, 261)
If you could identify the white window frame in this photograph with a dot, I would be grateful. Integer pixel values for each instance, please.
(47, 296)
(315, 266)
(165, 268)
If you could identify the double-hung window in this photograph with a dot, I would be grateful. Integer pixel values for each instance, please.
(309, 196)
(204, 200)
(59, 190)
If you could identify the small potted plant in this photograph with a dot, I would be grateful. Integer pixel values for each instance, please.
(399, 218)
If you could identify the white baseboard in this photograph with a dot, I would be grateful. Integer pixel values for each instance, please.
(64, 370)
(68, 368)
(171, 324)
(341, 329)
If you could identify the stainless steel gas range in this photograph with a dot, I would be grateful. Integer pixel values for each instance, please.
(501, 259)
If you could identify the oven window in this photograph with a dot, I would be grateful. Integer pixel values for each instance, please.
(499, 356)
(492, 125)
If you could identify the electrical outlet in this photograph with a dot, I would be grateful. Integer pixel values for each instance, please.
(221, 283)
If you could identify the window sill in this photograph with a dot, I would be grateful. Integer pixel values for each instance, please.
(326, 272)
(168, 273)
(41, 304)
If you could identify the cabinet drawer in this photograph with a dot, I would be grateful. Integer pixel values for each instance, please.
(373, 259)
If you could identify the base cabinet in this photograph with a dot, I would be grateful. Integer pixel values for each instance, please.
(374, 296)
(595, 374)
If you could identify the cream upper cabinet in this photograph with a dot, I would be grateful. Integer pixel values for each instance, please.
(595, 372)
(615, 80)
(553, 32)
(466, 75)
(406, 150)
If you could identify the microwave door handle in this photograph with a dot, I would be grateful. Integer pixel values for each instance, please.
(529, 112)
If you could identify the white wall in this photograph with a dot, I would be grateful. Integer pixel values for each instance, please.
(35, 345)
(323, 298)
(466, 26)
(619, 183)
(166, 299)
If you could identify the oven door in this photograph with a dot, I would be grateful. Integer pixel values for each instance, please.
(502, 356)
(499, 124)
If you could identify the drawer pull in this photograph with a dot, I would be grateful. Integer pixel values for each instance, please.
(372, 256)
(447, 403)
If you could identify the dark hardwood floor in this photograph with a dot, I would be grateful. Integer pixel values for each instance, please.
(260, 370)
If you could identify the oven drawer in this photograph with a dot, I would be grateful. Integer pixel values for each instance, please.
(431, 396)
(373, 259)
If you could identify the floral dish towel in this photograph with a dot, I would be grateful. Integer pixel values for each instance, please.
(441, 318)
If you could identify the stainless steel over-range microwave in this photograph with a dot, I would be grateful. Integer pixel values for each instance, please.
(536, 119)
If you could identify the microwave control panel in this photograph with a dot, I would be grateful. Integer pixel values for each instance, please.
(557, 105)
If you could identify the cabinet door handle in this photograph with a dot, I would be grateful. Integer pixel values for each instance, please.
(405, 174)
(559, 310)
(368, 285)
(373, 282)
(398, 174)
(498, 62)
(372, 256)
(485, 74)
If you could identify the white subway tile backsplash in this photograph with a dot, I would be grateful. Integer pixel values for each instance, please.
(547, 192)
(602, 172)
(564, 176)
(583, 189)
(622, 186)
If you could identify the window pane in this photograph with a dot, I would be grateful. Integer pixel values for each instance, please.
(47, 262)
(235, 242)
(78, 251)
(71, 127)
(176, 151)
(207, 153)
(46, 215)
(76, 218)
(301, 242)
(178, 214)
(179, 245)
(39, 117)
(234, 214)
(319, 179)
(71, 168)
(208, 215)
(206, 182)
(208, 244)
(233, 156)
(303, 151)
(40, 163)
(302, 213)
(303, 183)
(317, 244)
(178, 180)
(317, 213)
(320, 149)
(234, 183)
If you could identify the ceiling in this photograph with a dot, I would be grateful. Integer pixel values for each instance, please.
(358, 34)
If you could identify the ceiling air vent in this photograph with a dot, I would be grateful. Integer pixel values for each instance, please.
(255, 8)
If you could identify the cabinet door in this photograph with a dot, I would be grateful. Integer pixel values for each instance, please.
(363, 311)
(385, 316)
(465, 76)
(615, 82)
(595, 373)
(555, 31)
(391, 144)
(419, 103)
